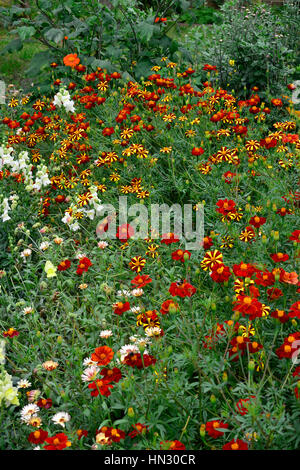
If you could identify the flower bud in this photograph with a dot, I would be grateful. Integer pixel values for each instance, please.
(130, 412)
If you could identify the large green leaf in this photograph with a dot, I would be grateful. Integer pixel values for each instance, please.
(12, 46)
(25, 32)
(145, 31)
(37, 62)
(54, 34)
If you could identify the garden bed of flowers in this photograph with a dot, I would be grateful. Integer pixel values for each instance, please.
(130, 343)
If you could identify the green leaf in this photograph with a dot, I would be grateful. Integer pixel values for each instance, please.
(37, 62)
(145, 31)
(25, 32)
(12, 46)
(54, 34)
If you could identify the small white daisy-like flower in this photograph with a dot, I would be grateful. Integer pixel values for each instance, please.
(153, 331)
(61, 418)
(137, 292)
(27, 310)
(28, 412)
(23, 383)
(44, 246)
(88, 362)
(135, 309)
(123, 293)
(105, 333)
(26, 253)
(90, 374)
(102, 245)
(143, 342)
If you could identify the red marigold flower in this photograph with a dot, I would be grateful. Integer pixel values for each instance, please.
(124, 232)
(236, 444)
(11, 332)
(240, 405)
(276, 102)
(114, 434)
(81, 433)
(58, 442)
(278, 257)
(220, 273)
(257, 221)
(169, 238)
(181, 255)
(64, 265)
(264, 279)
(100, 386)
(103, 355)
(172, 445)
(213, 428)
(107, 131)
(283, 211)
(121, 307)
(295, 236)
(111, 375)
(248, 306)
(296, 372)
(44, 403)
(197, 151)
(38, 436)
(290, 345)
(244, 269)
(207, 243)
(225, 205)
(182, 289)
(294, 311)
(60, 198)
(141, 281)
(274, 293)
(280, 315)
(240, 130)
(268, 142)
(209, 67)
(169, 306)
(83, 266)
(138, 429)
(254, 347)
(228, 176)
(138, 361)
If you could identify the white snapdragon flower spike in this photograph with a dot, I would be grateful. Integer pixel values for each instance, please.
(8, 393)
(63, 98)
(5, 208)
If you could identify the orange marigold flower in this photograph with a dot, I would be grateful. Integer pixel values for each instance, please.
(71, 60)
(102, 355)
